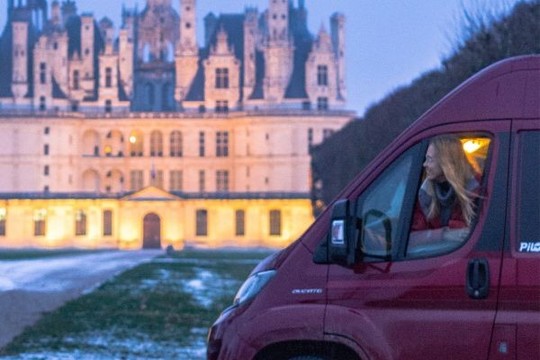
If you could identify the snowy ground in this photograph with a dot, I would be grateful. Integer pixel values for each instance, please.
(29, 288)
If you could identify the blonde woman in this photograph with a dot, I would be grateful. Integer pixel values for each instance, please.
(446, 197)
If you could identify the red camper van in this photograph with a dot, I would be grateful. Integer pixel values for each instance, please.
(365, 282)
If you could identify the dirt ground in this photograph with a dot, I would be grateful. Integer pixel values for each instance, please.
(29, 288)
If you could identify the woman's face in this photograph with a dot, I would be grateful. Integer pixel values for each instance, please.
(431, 164)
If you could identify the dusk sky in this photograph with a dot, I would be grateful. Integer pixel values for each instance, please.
(388, 42)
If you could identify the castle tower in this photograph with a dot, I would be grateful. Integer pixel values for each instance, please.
(250, 43)
(278, 21)
(126, 48)
(19, 84)
(87, 53)
(56, 14)
(278, 51)
(337, 22)
(188, 52)
(188, 34)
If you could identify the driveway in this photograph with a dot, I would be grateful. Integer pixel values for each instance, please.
(29, 288)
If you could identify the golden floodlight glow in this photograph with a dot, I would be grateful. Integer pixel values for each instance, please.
(133, 139)
(471, 146)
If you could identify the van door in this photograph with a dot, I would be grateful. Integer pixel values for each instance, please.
(435, 301)
(517, 329)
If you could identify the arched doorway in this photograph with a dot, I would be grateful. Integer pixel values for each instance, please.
(151, 232)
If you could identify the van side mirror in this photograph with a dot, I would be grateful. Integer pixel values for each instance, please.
(342, 244)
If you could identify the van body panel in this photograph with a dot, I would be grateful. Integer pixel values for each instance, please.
(422, 307)
(519, 303)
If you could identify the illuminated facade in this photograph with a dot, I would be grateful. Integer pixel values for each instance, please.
(141, 139)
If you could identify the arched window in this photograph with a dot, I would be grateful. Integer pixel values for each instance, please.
(176, 144)
(156, 143)
(136, 143)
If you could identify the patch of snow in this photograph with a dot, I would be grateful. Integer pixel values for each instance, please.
(6, 284)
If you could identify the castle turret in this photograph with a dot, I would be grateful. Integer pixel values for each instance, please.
(337, 22)
(187, 56)
(56, 14)
(278, 51)
(188, 36)
(126, 46)
(250, 43)
(87, 53)
(19, 85)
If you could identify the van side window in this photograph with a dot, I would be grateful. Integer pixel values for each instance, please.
(528, 220)
(449, 195)
(380, 208)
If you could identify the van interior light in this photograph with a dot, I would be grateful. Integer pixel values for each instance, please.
(471, 146)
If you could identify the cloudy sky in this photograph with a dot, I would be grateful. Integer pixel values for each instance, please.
(388, 42)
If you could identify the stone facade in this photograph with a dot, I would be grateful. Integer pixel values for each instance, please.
(149, 128)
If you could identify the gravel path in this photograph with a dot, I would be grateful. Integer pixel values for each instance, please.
(29, 288)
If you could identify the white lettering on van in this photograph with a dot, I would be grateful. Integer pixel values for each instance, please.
(530, 247)
(306, 291)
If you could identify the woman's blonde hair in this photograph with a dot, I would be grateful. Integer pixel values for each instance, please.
(458, 171)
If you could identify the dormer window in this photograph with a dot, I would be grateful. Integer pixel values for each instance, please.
(222, 78)
(322, 75)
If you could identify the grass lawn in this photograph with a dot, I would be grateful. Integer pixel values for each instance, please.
(157, 310)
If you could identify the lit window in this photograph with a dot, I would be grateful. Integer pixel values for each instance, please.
(136, 144)
(107, 223)
(240, 220)
(156, 143)
(201, 226)
(80, 223)
(40, 218)
(3, 221)
(275, 222)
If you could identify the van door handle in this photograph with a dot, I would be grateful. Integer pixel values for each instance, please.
(478, 278)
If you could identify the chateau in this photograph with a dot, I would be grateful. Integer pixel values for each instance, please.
(141, 137)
